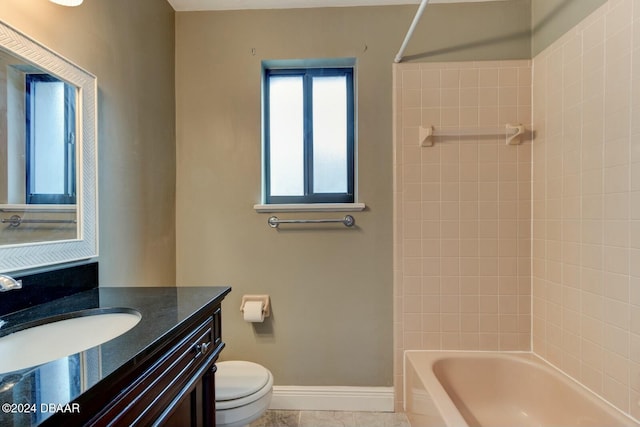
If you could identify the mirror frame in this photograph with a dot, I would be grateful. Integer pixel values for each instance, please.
(15, 257)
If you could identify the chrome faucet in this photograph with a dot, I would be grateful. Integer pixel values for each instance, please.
(8, 283)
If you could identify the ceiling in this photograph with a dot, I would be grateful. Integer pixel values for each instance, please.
(190, 5)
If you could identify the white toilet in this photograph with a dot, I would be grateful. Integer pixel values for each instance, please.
(243, 392)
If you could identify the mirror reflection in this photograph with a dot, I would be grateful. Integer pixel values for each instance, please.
(37, 154)
(48, 156)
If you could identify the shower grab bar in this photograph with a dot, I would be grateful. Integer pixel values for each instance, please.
(16, 221)
(347, 221)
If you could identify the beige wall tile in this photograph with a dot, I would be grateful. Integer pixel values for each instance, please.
(583, 316)
(465, 210)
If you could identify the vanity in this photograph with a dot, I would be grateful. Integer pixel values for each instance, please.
(160, 372)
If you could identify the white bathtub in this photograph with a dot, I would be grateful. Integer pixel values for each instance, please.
(469, 389)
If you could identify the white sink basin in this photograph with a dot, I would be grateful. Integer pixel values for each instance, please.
(55, 339)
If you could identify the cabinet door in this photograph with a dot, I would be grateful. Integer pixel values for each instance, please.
(197, 408)
(186, 413)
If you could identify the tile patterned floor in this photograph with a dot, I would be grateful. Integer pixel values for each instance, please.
(279, 418)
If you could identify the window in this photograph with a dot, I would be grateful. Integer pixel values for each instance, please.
(50, 133)
(308, 135)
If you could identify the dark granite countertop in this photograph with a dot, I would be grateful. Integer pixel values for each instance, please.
(32, 391)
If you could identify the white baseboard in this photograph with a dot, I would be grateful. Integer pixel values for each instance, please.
(338, 398)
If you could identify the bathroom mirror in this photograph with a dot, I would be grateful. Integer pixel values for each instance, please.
(48, 176)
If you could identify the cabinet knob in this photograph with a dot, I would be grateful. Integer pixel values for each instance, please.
(201, 348)
(205, 347)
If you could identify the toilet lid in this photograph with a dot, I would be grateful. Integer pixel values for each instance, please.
(238, 379)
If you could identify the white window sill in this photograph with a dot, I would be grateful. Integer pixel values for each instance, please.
(36, 208)
(311, 207)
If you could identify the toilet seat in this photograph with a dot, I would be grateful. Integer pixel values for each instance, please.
(238, 383)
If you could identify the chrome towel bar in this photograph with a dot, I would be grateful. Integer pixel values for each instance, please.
(16, 220)
(274, 221)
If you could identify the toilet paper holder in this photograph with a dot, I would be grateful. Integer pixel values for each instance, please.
(264, 299)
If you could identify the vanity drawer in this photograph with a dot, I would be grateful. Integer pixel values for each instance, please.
(163, 384)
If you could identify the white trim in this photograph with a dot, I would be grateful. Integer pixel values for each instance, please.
(38, 208)
(192, 5)
(310, 207)
(333, 398)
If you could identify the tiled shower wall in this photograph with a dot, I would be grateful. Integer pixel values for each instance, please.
(585, 208)
(462, 209)
(586, 203)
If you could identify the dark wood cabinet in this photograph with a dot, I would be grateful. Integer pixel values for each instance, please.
(196, 408)
(173, 386)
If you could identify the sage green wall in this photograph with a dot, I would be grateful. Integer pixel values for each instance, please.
(331, 287)
(468, 31)
(129, 46)
(552, 18)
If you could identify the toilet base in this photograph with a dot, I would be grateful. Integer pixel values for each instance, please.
(244, 415)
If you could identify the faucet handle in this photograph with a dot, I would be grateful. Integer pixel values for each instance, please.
(8, 283)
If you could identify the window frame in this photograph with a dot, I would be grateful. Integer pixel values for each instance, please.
(309, 196)
(69, 195)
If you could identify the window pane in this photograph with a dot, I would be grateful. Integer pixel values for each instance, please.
(49, 139)
(330, 134)
(286, 131)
